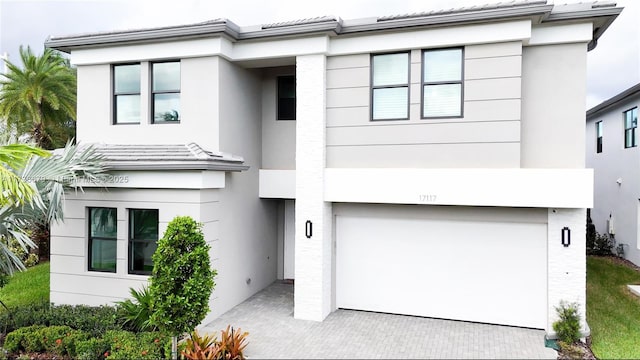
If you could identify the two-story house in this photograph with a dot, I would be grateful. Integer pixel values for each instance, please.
(612, 151)
(428, 164)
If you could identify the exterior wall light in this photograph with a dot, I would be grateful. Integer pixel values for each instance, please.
(566, 236)
(308, 229)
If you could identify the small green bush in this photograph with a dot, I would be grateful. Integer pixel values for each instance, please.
(567, 327)
(24, 339)
(135, 315)
(145, 345)
(91, 349)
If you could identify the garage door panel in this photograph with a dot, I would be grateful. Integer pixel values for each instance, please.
(492, 272)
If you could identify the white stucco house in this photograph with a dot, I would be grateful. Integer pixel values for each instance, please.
(429, 164)
(612, 151)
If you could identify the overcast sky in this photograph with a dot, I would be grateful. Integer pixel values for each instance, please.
(612, 67)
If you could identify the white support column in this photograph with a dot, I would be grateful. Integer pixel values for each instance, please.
(313, 260)
(567, 266)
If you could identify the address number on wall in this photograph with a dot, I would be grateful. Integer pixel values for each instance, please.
(427, 198)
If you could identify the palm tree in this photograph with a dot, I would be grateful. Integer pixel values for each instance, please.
(14, 190)
(40, 98)
(48, 177)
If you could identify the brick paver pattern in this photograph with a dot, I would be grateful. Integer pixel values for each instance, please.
(350, 334)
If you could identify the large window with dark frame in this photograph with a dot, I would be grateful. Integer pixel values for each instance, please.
(165, 88)
(143, 238)
(286, 97)
(126, 94)
(102, 239)
(390, 86)
(630, 128)
(599, 136)
(442, 83)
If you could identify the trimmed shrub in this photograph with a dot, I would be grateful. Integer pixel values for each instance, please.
(91, 349)
(24, 339)
(128, 345)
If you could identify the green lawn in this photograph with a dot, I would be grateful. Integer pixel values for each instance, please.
(613, 313)
(27, 287)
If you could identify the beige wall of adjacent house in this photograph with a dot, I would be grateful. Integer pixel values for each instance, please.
(198, 106)
(488, 135)
(278, 136)
(72, 283)
(553, 106)
(248, 224)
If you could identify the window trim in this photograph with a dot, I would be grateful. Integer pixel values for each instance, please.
(423, 83)
(599, 136)
(91, 238)
(152, 93)
(131, 241)
(114, 95)
(295, 97)
(407, 85)
(634, 138)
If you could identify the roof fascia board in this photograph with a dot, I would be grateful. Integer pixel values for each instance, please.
(164, 166)
(607, 104)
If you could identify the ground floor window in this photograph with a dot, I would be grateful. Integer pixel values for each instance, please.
(102, 239)
(143, 238)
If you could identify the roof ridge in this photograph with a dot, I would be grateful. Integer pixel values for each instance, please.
(488, 6)
(304, 21)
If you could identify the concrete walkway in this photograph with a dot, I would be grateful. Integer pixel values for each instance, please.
(349, 334)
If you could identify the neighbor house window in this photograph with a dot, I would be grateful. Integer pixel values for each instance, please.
(599, 137)
(102, 239)
(630, 126)
(126, 94)
(165, 90)
(390, 86)
(286, 97)
(442, 83)
(143, 238)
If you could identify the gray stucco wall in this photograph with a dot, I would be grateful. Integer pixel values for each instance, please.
(248, 225)
(487, 136)
(621, 201)
(278, 136)
(553, 106)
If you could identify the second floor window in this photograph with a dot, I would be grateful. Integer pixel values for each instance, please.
(599, 137)
(286, 97)
(630, 128)
(442, 83)
(126, 94)
(166, 91)
(390, 86)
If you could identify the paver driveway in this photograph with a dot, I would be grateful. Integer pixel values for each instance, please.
(349, 334)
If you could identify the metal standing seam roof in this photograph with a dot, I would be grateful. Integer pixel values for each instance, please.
(165, 157)
(604, 11)
(632, 91)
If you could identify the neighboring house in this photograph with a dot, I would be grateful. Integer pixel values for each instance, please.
(426, 164)
(612, 152)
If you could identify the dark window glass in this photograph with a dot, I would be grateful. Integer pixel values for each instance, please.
(286, 97)
(599, 137)
(102, 239)
(143, 238)
(166, 91)
(126, 93)
(630, 128)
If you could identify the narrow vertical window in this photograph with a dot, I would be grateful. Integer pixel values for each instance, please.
(599, 137)
(126, 94)
(442, 83)
(286, 97)
(630, 128)
(166, 92)
(143, 239)
(390, 86)
(102, 239)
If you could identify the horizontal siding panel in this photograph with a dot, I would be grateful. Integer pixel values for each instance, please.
(490, 155)
(425, 133)
(346, 78)
(69, 227)
(487, 68)
(68, 264)
(58, 297)
(492, 89)
(61, 245)
(348, 116)
(502, 109)
(348, 97)
(493, 50)
(348, 61)
(100, 284)
(152, 195)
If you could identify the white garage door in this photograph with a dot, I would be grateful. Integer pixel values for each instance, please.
(492, 272)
